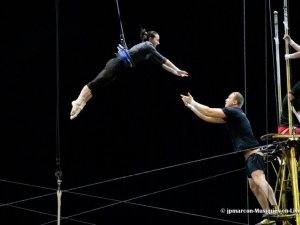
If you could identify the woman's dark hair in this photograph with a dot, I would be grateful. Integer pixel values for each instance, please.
(145, 35)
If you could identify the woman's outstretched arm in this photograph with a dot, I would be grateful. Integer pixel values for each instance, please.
(170, 67)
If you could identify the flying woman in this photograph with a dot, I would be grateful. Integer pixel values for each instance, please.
(146, 50)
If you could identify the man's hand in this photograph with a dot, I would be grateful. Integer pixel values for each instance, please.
(187, 99)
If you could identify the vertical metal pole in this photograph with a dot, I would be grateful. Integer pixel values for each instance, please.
(294, 170)
(58, 172)
(293, 161)
(279, 97)
(288, 79)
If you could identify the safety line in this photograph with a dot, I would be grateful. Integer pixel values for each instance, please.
(181, 185)
(73, 220)
(122, 201)
(245, 83)
(186, 213)
(154, 170)
(30, 210)
(29, 185)
(149, 194)
(25, 200)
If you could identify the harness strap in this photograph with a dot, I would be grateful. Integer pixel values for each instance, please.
(124, 55)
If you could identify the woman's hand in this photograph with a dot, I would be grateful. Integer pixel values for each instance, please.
(182, 73)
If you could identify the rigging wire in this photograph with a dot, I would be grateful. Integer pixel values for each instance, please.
(71, 190)
(266, 78)
(58, 173)
(245, 90)
(124, 201)
(122, 36)
(266, 81)
(245, 58)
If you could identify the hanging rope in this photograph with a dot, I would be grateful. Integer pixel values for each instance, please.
(122, 36)
(245, 58)
(266, 81)
(245, 94)
(58, 173)
(123, 53)
(267, 9)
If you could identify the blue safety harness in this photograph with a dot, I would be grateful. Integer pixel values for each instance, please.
(124, 56)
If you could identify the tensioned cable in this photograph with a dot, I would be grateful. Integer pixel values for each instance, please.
(191, 214)
(137, 174)
(245, 58)
(159, 169)
(58, 172)
(266, 74)
(122, 36)
(174, 187)
(141, 173)
(266, 67)
(245, 90)
(70, 190)
(129, 201)
(48, 214)
(29, 185)
(25, 200)
(245, 84)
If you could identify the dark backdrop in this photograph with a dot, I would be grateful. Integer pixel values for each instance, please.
(135, 154)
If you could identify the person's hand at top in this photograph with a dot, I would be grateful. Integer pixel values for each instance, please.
(287, 37)
(290, 96)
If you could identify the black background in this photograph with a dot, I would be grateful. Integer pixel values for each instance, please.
(135, 154)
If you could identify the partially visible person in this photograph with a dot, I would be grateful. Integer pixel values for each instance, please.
(243, 141)
(294, 97)
(140, 52)
(295, 46)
